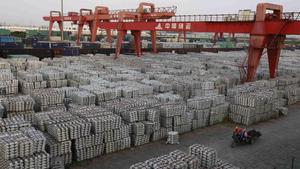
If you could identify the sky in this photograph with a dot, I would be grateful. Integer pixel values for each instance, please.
(30, 12)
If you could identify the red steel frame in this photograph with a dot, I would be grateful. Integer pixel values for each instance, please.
(266, 30)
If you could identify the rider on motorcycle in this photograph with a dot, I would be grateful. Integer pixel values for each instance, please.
(237, 131)
(244, 134)
(240, 133)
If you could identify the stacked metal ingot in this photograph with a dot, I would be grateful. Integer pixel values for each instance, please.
(8, 83)
(69, 130)
(24, 148)
(174, 160)
(175, 118)
(254, 107)
(219, 109)
(173, 137)
(6, 74)
(88, 147)
(142, 115)
(207, 88)
(60, 152)
(69, 91)
(83, 98)
(61, 128)
(128, 104)
(102, 93)
(132, 89)
(13, 124)
(158, 86)
(4, 65)
(220, 164)
(38, 160)
(22, 106)
(140, 165)
(35, 64)
(47, 98)
(206, 155)
(43, 119)
(77, 78)
(191, 161)
(30, 81)
(107, 128)
(37, 137)
(290, 94)
(207, 110)
(54, 77)
(152, 124)
(169, 98)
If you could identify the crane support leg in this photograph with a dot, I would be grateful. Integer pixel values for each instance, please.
(80, 28)
(273, 58)
(60, 25)
(260, 40)
(90, 28)
(121, 35)
(137, 42)
(257, 44)
(50, 29)
(93, 28)
(153, 40)
(274, 48)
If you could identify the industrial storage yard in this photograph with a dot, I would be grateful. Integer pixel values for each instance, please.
(181, 91)
(115, 105)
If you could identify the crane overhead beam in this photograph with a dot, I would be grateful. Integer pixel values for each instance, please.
(225, 27)
(267, 29)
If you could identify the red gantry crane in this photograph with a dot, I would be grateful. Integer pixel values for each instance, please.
(267, 28)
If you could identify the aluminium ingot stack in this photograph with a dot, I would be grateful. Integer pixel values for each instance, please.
(176, 159)
(83, 98)
(141, 114)
(30, 81)
(47, 98)
(8, 83)
(206, 155)
(207, 110)
(169, 98)
(254, 107)
(174, 117)
(62, 127)
(23, 148)
(109, 132)
(13, 124)
(54, 77)
(60, 152)
(22, 106)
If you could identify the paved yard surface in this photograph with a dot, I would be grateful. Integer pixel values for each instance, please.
(275, 149)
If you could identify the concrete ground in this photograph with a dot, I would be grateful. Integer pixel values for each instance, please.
(280, 142)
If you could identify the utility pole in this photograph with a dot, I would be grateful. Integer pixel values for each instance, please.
(62, 20)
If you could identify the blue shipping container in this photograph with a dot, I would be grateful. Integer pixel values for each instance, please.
(71, 51)
(7, 39)
(11, 45)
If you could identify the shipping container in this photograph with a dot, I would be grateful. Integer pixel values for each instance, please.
(89, 45)
(71, 51)
(50, 45)
(7, 39)
(11, 45)
(189, 45)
